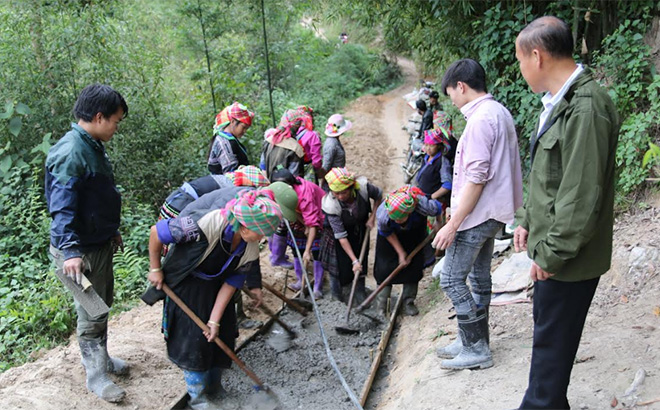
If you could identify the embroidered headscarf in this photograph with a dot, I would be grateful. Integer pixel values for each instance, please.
(256, 210)
(402, 202)
(248, 175)
(291, 122)
(442, 119)
(340, 179)
(438, 136)
(236, 111)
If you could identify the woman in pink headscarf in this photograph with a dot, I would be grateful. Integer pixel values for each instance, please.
(226, 152)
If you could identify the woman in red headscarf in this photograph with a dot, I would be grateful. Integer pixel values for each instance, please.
(226, 152)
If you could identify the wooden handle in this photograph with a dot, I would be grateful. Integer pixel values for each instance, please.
(270, 313)
(283, 298)
(363, 251)
(205, 328)
(396, 271)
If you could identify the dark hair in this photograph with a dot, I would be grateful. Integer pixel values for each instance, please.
(284, 175)
(421, 105)
(547, 33)
(98, 98)
(467, 71)
(434, 94)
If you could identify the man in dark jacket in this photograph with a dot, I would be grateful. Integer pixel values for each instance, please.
(566, 223)
(85, 206)
(427, 117)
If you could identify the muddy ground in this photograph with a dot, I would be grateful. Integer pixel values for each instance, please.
(621, 334)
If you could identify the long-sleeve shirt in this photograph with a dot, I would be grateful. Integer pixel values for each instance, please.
(227, 153)
(487, 154)
(334, 155)
(311, 143)
(425, 207)
(336, 222)
(310, 197)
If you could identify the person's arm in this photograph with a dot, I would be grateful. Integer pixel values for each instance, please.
(225, 294)
(398, 248)
(62, 184)
(328, 154)
(440, 193)
(155, 275)
(376, 194)
(346, 246)
(584, 162)
(311, 235)
(469, 197)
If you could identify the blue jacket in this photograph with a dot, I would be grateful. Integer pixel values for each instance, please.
(81, 193)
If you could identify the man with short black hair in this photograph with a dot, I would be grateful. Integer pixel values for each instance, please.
(85, 205)
(486, 191)
(566, 223)
(427, 117)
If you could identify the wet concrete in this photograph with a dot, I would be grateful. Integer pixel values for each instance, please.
(297, 370)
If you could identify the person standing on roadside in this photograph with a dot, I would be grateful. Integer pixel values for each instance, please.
(227, 152)
(486, 191)
(85, 205)
(566, 223)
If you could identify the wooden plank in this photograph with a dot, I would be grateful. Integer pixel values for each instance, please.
(384, 341)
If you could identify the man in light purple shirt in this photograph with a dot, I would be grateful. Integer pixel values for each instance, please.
(486, 191)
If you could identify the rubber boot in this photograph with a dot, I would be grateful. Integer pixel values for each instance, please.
(95, 360)
(409, 294)
(360, 291)
(277, 246)
(299, 272)
(381, 301)
(454, 348)
(451, 350)
(115, 365)
(242, 320)
(318, 280)
(335, 289)
(475, 353)
(214, 388)
(196, 385)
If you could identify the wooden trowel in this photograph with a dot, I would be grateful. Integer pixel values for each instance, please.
(84, 294)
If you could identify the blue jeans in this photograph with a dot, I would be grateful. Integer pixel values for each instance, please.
(470, 256)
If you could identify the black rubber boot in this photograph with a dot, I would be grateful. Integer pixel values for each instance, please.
(336, 289)
(475, 353)
(381, 301)
(409, 294)
(95, 360)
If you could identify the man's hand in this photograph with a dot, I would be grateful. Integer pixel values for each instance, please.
(258, 297)
(536, 273)
(444, 237)
(156, 278)
(117, 243)
(74, 268)
(520, 235)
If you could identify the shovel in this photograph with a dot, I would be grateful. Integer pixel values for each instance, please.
(346, 330)
(259, 384)
(396, 271)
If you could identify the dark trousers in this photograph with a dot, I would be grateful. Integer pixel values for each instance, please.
(560, 310)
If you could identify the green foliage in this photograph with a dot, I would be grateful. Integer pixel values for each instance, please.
(172, 64)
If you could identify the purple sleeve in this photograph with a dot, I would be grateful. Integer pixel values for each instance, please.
(236, 280)
(312, 145)
(177, 230)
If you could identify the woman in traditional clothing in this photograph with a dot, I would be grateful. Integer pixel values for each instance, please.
(348, 212)
(227, 152)
(212, 249)
(334, 155)
(401, 220)
(281, 148)
(307, 228)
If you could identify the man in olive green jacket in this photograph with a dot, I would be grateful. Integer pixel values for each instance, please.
(566, 223)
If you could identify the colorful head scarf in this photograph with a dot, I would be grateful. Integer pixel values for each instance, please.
(438, 136)
(248, 175)
(340, 179)
(291, 122)
(236, 111)
(255, 210)
(442, 119)
(402, 202)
